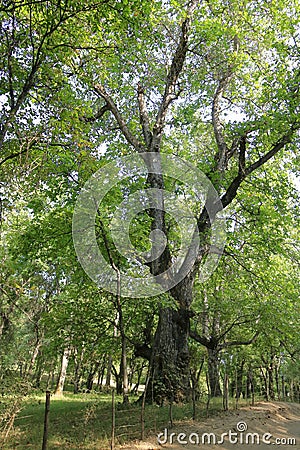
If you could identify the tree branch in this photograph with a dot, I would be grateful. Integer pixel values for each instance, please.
(21, 152)
(224, 153)
(237, 343)
(201, 339)
(172, 78)
(15, 304)
(242, 155)
(286, 139)
(218, 128)
(98, 114)
(231, 192)
(144, 118)
(119, 118)
(12, 155)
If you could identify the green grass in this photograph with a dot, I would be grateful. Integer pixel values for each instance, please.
(83, 421)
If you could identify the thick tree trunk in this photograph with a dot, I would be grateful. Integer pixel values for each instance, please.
(292, 390)
(170, 365)
(169, 356)
(5, 321)
(213, 372)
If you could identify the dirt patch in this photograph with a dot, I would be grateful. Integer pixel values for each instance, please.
(263, 426)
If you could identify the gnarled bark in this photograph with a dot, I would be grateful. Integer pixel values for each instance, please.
(170, 370)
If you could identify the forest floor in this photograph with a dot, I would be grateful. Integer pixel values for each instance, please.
(274, 423)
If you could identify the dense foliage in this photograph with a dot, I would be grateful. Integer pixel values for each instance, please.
(215, 83)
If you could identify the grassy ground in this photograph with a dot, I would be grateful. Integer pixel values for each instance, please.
(83, 421)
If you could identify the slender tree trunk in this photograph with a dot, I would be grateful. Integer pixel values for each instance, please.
(131, 373)
(226, 392)
(292, 387)
(283, 388)
(124, 371)
(137, 384)
(118, 378)
(63, 373)
(271, 379)
(34, 356)
(38, 372)
(37, 346)
(266, 384)
(49, 378)
(277, 367)
(247, 390)
(239, 384)
(77, 373)
(101, 374)
(108, 371)
(251, 379)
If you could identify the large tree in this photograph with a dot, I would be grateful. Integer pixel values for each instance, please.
(234, 71)
(214, 83)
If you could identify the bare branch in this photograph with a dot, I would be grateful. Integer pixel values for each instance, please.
(144, 119)
(119, 118)
(231, 192)
(286, 139)
(9, 66)
(12, 156)
(172, 78)
(242, 155)
(21, 152)
(218, 127)
(214, 343)
(237, 343)
(201, 339)
(224, 153)
(98, 114)
(15, 304)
